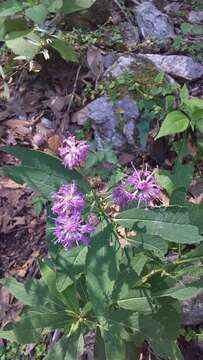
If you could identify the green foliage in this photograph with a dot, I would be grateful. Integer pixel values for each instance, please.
(189, 114)
(21, 24)
(127, 296)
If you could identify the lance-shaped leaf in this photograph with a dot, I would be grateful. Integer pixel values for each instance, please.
(101, 270)
(172, 223)
(67, 348)
(42, 172)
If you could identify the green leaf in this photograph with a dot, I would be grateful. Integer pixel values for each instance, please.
(164, 180)
(172, 223)
(101, 270)
(184, 93)
(193, 29)
(138, 262)
(152, 243)
(32, 293)
(10, 7)
(67, 348)
(166, 349)
(124, 319)
(200, 125)
(182, 292)
(69, 264)
(175, 122)
(53, 5)
(66, 51)
(114, 346)
(27, 46)
(139, 301)
(44, 317)
(37, 13)
(25, 333)
(8, 335)
(76, 5)
(42, 172)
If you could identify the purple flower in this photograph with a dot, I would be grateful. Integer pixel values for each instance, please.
(145, 186)
(68, 200)
(73, 152)
(71, 230)
(141, 186)
(121, 196)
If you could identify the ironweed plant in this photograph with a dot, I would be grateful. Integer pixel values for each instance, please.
(108, 283)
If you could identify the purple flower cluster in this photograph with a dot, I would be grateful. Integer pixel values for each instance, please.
(70, 226)
(141, 187)
(73, 152)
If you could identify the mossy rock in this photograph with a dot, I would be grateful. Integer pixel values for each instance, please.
(138, 78)
(96, 15)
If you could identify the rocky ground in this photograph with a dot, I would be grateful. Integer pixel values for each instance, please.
(106, 97)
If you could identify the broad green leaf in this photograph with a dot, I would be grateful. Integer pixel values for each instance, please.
(8, 335)
(69, 264)
(182, 292)
(76, 5)
(10, 7)
(193, 29)
(152, 243)
(67, 348)
(99, 349)
(166, 349)
(194, 103)
(184, 93)
(164, 180)
(66, 51)
(101, 270)
(172, 223)
(37, 13)
(175, 122)
(138, 262)
(42, 172)
(25, 333)
(44, 317)
(13, 25)
(124, 319)
(114, 345)
(27, 46)
(52, 5)
(200, 125)
(32, 293)
(196, 215)
(139, 301)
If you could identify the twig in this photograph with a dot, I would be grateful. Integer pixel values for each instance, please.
(123, 11)
(62, 127)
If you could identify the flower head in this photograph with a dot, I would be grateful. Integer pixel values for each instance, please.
(73, 152)
(68, 200)
(71, 230)
(145, 186)
(121, 196)
(141, 186)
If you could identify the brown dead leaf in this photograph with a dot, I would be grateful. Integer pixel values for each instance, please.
(80, 117)
(54, 143)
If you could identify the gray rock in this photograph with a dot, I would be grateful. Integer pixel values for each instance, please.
(153, 24)
(108, 60)
(113, 124)
(172, 8)
(195, 17)
(192, 310)
(130, 34)
(177, 65)
(121, 65)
